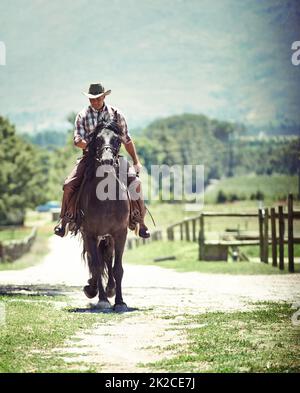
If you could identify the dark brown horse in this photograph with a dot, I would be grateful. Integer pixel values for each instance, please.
(105, 217)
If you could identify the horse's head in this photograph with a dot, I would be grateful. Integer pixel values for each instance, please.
(107, 143)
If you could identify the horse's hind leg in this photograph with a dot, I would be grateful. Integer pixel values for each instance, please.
(106, 250)
(120, 239)
(111, 284)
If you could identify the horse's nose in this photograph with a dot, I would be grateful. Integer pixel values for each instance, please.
(108, 162)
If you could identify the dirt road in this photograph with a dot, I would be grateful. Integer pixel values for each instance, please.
(153, 293)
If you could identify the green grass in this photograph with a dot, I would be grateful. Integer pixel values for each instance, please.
(187, 260)
(263, 340)
(34, 326)
(273, 187)
(14, 233)
(253, 251)
(165, 214)
(34, 218)
(38, 250)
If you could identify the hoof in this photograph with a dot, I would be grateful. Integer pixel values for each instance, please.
(122, 307)
(103, 305)
(90, 291)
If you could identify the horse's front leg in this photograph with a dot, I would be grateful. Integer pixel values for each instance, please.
(120, 240)
(94, 262)
(91, 290)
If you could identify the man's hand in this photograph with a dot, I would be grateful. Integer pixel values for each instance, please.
(82, 144)
(137, 167)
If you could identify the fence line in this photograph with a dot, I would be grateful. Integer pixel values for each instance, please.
(280, 240)
(193, 229)
(137, 241)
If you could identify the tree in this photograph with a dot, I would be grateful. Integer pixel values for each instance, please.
(23, 175)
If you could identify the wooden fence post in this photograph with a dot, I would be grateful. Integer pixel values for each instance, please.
(201, 238)
(290, 234)
(274, 237)
(170, 233)
(281, 237)
(266, 236)
(129, 244)
(261, 234)
(194, 229)
(181, 231)
(187, 231)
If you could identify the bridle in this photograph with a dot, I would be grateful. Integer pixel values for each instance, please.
(113, 150)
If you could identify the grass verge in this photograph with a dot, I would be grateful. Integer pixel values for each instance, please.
(273, 187)
(263, 340)
(33, 326)
(187, 260)
(14, 233)
(38, 250)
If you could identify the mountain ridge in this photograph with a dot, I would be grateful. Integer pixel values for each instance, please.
(230, 61)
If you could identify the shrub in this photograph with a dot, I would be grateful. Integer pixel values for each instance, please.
(221, 197)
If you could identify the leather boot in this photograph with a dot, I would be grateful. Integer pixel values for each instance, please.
(143, 231)
(62, 228)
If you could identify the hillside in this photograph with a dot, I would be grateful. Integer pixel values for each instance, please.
(229, 60)
(218, 145)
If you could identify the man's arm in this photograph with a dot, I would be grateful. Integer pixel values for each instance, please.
(131, 150)
(128, 142)
(79, 132)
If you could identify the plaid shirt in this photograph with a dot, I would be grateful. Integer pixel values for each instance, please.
(87, 120)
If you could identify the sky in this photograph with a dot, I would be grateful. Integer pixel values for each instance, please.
(227, 59)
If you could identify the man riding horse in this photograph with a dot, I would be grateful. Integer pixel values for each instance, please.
(85, 124)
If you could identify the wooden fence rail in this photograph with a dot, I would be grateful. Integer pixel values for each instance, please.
(193, 229)
(271, 229)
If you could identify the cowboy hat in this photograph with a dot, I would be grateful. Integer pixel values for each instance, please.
(96, 90)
